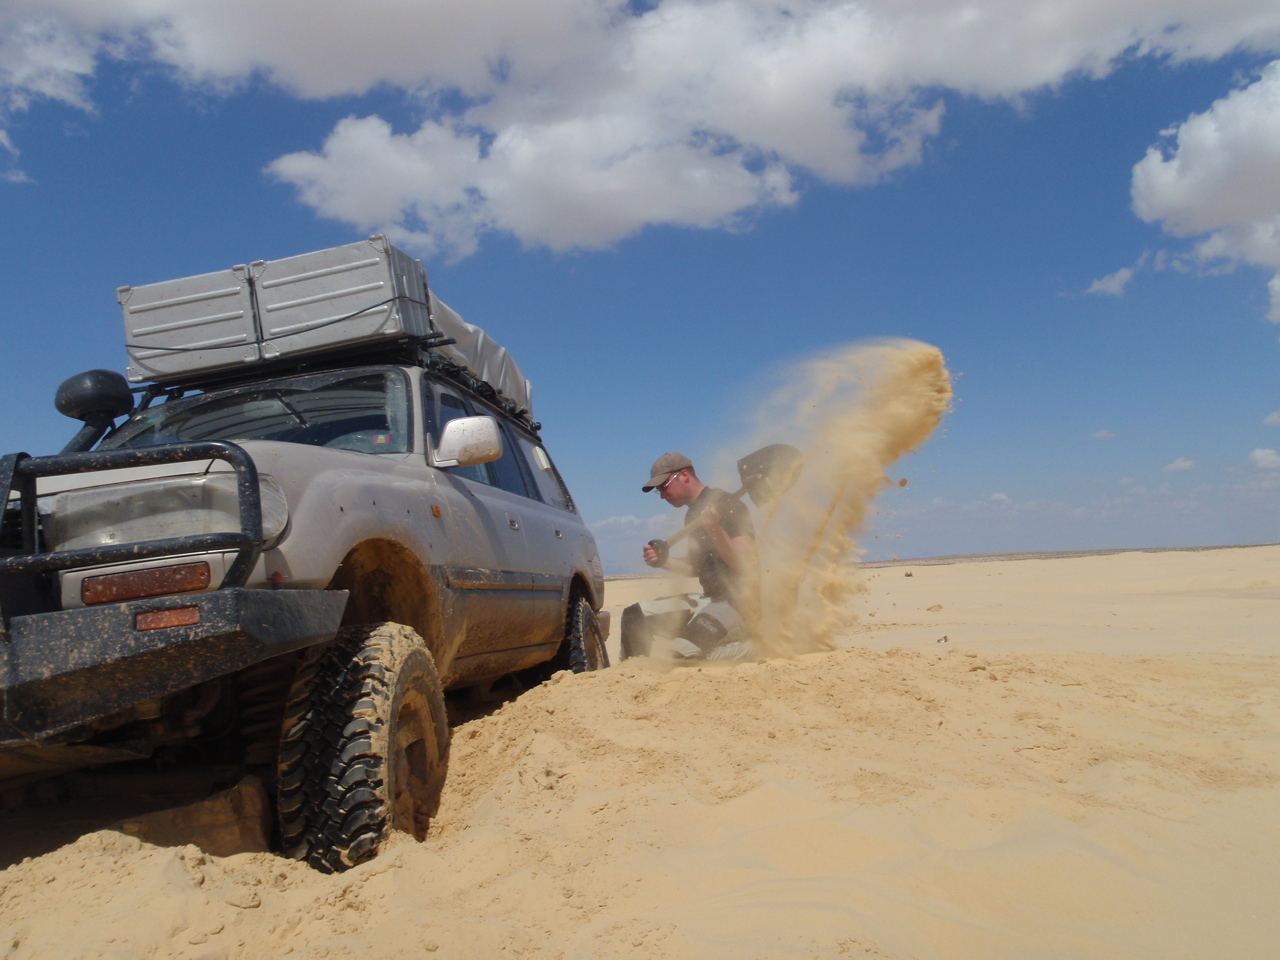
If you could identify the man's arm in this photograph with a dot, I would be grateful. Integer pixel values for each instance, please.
(679, 567)
(738, 553)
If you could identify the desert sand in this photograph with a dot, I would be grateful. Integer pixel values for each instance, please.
(1086, 767)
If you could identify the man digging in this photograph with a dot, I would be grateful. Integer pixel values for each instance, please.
(712, 625)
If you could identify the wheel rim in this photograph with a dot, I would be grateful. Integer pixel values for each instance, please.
(595, 649)
(413, 762)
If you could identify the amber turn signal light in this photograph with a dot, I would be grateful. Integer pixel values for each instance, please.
(173, 617)
(156, 582)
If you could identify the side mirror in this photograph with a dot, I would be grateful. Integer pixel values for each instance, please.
(468, 441)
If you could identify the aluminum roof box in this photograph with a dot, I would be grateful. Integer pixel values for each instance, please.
(181, 331)
(356, 294)
(196, 323)
(359, 293)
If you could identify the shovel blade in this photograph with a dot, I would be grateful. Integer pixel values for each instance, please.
(770, 472)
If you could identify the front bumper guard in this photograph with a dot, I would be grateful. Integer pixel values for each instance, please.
(21, 573)
(63, 669)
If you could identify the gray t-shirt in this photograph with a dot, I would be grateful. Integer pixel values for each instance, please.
(718, 580)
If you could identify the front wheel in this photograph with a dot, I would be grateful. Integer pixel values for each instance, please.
(364, 748)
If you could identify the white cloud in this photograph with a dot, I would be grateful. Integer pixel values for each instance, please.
(1001, 498)
(1264, 459)
(1112, 284)
(584, 183)
(1221, 180)
(579, 122)
(1102, 435)
(44, 55)
(12, 175)
(1272, 419)
(1180, 465)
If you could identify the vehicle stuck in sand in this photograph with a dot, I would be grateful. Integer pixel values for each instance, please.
(329, 505)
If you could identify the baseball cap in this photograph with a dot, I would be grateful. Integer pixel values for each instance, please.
(664, 467)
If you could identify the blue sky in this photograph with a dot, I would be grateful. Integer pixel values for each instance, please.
(652, 229)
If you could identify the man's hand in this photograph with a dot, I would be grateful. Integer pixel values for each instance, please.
(681, 568)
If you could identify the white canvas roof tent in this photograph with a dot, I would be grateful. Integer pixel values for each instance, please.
(321, 304)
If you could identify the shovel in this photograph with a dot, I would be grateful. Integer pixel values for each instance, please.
(766, 475)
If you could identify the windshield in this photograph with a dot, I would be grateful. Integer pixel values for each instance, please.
(363, 411)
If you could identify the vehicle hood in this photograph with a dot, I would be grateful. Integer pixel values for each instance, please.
(269, 456)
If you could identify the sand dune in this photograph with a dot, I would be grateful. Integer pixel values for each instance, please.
(1088, 767)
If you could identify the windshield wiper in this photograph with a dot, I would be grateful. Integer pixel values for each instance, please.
(293, 411)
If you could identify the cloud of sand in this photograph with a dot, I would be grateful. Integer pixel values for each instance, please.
(852, 413)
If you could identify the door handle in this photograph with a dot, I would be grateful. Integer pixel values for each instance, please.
(515, 524)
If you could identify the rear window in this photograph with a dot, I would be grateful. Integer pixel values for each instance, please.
(551, 487)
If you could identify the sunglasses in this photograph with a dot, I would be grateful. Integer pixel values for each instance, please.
(663, 486)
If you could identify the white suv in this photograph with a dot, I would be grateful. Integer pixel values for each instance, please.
(289, 569)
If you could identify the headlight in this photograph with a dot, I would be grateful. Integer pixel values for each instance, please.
(275, 510)
(158, 509)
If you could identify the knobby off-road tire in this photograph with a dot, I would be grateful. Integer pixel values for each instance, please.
(364, 747)
(583, 641)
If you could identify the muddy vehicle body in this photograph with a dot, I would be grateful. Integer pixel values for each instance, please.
(289, 557)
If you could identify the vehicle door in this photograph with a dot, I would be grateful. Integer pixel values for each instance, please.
(550, 523)
(487, 566)
(541, 565)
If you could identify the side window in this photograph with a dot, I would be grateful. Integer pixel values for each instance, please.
(550, 486)
(452, 407)
(506, 469)
(505, 472)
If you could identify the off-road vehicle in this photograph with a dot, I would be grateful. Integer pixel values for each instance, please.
(328, 505)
